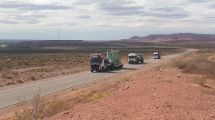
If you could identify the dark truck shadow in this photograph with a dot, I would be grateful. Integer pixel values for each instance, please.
(105, 72)
(140, 63)
(129, 69)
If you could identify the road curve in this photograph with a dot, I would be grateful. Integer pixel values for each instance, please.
(13, 95)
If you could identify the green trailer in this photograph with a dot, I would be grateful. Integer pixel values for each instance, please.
(114, 57)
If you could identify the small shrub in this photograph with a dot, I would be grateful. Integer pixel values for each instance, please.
(33, 78)
(196, 64)
(10, 83)
(6, 75)
(20, 81)
(98, 96)
(200, 81)
(40, 108)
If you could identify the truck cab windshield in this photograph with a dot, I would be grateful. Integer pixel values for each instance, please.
(93, 60)
(132, 57)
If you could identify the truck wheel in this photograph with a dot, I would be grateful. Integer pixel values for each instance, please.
(91, 70)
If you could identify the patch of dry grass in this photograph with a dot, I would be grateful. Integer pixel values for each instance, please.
(199, 63)
(39, 108)
(20, 68)
(91, 95)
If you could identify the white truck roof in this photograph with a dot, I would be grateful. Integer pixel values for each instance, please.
(155, 53)
(132, 54)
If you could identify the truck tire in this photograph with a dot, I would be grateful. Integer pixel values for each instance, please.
(91, 70)
(108, 69)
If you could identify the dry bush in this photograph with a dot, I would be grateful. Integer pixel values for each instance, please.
(32, 78)
(40, 108)
(87, 96)
(200, 80)
(33, 112)
(196, 64)
(9, 75)
(20, 81)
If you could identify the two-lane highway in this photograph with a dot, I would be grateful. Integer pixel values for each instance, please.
(23, 92)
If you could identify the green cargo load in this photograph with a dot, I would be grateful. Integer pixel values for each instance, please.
(114, 57)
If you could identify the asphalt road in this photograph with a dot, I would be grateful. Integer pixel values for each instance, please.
(13, 95)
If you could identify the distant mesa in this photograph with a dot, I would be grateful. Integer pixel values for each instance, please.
(173, 37)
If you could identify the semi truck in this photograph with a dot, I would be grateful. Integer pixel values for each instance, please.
(156, 55)
(134, 58)
(104, 63)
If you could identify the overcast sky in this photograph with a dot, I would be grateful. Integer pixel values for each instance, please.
(103, 19)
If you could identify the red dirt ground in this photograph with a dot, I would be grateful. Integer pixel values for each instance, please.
(155, 95)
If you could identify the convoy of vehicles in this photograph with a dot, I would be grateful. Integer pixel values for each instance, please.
(134, 58)
(100, 62)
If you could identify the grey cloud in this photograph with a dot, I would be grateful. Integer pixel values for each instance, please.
(197, 1)
(212, 5)
(210, 18)
(167, 9)
(8, 22)
(128, 7)
(200, 1)
(20, 17)
(161, 12)
(114, 7)
(86, 2)
(168, 15)
(121, 9)
(167, 12)
(200, 21)
(32, 18)
(84, 17)
(28, 13)
(60, 24)
(31, 6)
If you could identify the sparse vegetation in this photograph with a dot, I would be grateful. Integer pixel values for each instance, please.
(197, 63)
(87, 96)
(199, 80)
(39, 109)
(23, 65)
